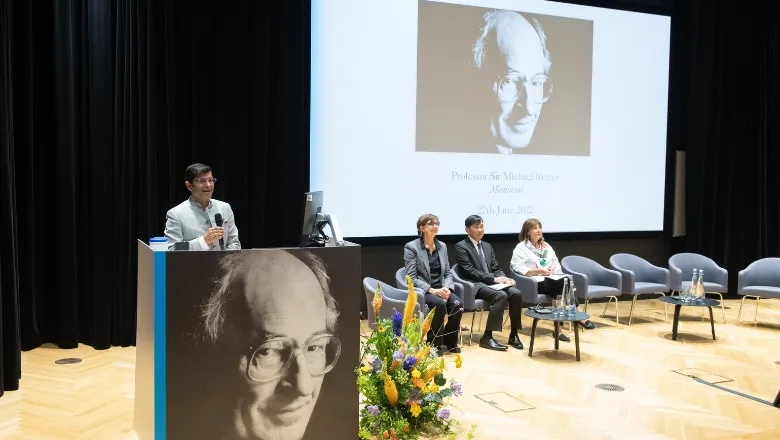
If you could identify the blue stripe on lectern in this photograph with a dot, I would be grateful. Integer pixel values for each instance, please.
(160, 412)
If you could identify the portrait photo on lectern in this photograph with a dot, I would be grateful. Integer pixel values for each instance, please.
(258, 353)
(502, 81)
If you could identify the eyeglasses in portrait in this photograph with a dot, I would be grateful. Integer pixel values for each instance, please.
(258, 353)
(502, 81)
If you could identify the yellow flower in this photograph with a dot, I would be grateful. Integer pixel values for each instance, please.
(458, 361)
(411, 301)
(365, 368)
(422, 353)
(416, 373)
(381, 329)
(434, 388)
(377, 302)
(390, 390)
(430, 374)
(427, 323)
(415, 409)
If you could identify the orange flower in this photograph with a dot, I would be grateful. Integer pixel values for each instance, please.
(422, 353)
(411, 300)
(377, 302)
(430, 374)
(390, 390)
(427, 323)
(419, 384)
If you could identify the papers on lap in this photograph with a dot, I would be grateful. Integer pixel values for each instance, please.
(499, 286)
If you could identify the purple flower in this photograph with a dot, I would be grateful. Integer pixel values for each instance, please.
(373, 410)
(444, 413)
(455, 387)
(398, 355)
(398, 320)
(376, 364)
(409, 363)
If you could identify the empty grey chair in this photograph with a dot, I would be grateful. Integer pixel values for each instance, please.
(761, 279)
(640, 278)
(393, 299)
(593, 280)
(716, 278)
(470, 301)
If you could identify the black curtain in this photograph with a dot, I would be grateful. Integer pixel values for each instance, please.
(104, 104)
(725, 113)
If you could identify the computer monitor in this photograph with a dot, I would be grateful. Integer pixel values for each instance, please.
(315, 221)
(311, 232)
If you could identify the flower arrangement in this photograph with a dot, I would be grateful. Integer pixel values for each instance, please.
(402, 379)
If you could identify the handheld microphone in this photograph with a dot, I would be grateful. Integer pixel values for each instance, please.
(218, 220)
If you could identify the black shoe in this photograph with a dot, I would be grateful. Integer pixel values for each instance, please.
(515, 342)
(491, 344)
(454, 349)
(562, 337)
(588, 324)
(440, 350)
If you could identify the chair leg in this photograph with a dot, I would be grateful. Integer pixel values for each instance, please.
(617, 316)
(722, 306)
(471, 329)
(586, 304)
(755, 315)
(631, 311)
(741, 303)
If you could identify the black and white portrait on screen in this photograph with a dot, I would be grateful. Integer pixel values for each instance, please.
(265, 344)
(502, 81)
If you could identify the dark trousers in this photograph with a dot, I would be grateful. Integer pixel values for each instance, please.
(441, 334)
(550, 287)
(498, 300)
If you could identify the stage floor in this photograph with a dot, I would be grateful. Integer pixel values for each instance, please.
(93, 399)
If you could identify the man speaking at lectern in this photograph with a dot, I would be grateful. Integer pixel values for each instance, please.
(200, 220)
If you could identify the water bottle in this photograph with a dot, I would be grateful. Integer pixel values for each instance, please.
(691, 293)
(700, 285)
(158, 243)
(572, 307)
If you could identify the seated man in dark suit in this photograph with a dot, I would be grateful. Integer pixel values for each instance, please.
(478, 264)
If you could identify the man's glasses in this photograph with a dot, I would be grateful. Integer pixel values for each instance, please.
(273, 357)
(539, 88)
(203, 181)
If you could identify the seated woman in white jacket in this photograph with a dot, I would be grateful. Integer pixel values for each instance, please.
(533, 256)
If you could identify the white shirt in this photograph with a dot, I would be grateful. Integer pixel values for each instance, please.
(524, 259)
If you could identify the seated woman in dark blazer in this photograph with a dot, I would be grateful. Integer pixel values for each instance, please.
(427, 264)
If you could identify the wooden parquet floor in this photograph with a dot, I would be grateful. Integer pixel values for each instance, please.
(94, 399)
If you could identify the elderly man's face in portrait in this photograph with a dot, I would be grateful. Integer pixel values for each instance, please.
(521, 85)
(289, 349)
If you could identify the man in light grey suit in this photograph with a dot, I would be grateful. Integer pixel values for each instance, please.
(427, 264)
(195, 219)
